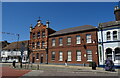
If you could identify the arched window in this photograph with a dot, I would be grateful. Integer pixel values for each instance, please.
(117, 53)
(114, 35)
(108, 36)
(109, 53)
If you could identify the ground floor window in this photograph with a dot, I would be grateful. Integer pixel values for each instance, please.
(53, 56)
(60, 56)
(69, 56)
(78, 55)
(117, 53)
(109, 53)
(89, 55)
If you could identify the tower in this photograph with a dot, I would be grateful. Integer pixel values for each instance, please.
(117, 13)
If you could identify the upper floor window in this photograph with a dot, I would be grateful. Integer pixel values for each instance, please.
(114, 35)
(38, 34)
(78, 55)
(69, 41)
(88, 38)
(33, 35)
(38, 45)
(33, 45)
(43, 34)
(108, 36)
(78, 39)
(53, 42)
(43, 44)
(60, 41)
(89, 55)
(53, 56)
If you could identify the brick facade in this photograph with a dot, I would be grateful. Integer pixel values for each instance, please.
(83, 46)
(39, 52)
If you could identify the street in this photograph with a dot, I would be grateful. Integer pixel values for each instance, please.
(57, 71)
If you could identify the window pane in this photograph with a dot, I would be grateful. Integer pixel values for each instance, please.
(88, 38)
(89, 55)
(60, 56)
(69, 41)
(78, 55)
(108, 36)
(53, 55)
(114, 35)
(38, 34)
(69, 55)
(60, 41)
(53, 42)
(37, 56)
(43, 34)
(43, 44)
(78, 39)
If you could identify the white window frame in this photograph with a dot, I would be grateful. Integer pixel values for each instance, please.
(69, 39)
(53, 42)
(115, 35)
(78, 53)
(60, 56)
(89, 54)
(69, 53)
(78, 39)
(60, 41)
(88, 38)
(108, 36)
(53, 59)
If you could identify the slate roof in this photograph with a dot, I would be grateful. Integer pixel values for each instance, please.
(109, 24)
(15, 45)
(73, 29)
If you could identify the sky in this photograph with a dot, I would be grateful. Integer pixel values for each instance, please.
(17, 16)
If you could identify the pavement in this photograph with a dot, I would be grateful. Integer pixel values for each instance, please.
(45, 70)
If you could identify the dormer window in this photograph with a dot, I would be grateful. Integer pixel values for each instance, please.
(108, 36)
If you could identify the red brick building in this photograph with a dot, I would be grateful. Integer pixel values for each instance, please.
(77, 45)
(39, 42)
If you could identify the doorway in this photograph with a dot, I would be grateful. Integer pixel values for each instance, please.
(41, 60)
(33, 60)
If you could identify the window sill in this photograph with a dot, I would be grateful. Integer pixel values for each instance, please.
(89, 60)
(78, 60)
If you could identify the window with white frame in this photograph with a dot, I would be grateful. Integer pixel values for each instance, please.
(114, 35)
(108, 36)
(88, 38)
(53, 56)
(60, 41)
(89, 55)
(60, 56)
(108, 53)
(78, 41)
(78, 55)
(69, 56)
(68, 40)
(53, 42)
(117, 53)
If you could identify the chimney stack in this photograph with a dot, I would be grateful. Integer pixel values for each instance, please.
(31, 27)
(117, 13)
(47, 23)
